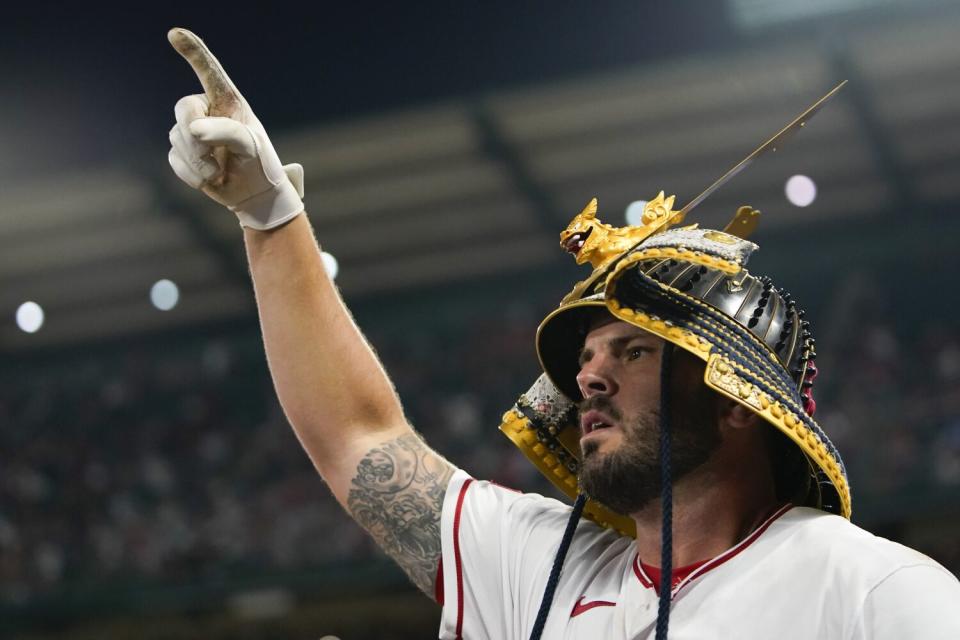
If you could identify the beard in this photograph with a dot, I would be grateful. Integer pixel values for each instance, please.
(628, 479)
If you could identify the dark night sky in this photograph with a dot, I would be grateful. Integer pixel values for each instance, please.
(98, 84)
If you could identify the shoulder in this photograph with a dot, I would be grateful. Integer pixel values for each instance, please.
(864, 585)
(844, 550)
(523, 517)
(498, 548)
(465, 492)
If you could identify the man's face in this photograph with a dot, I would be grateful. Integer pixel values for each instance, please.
(620, 415)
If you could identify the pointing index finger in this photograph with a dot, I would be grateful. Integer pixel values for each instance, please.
(224, 98)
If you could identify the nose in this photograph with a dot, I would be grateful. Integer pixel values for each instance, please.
(596, 378)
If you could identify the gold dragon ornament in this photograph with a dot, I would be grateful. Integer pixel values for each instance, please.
(598, 243)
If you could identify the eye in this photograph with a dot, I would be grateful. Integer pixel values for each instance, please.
(634, 353)
(583, 358)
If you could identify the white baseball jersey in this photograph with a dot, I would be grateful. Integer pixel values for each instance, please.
(802, 574)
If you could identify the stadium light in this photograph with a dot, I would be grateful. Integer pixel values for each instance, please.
(30, 317)
(164, 294)
(634, 212)
(801, 191)
(330, 264)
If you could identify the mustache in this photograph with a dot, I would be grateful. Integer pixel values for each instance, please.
(599, 403)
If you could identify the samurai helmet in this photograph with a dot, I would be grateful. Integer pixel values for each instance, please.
(690, 287)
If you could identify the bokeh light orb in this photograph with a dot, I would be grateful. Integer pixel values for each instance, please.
(30, 317)
(801, 191)
(330, 264)
(634, 213)
(164, 294)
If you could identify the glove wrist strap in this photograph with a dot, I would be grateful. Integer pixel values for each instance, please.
(271, 208)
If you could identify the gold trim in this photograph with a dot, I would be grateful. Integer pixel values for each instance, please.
(720, 278)
(721, 237)
(656, 266)
(517, 427)
(746, 296)
(682, 273)
(721, 376)
(744, 222)
(736, 286)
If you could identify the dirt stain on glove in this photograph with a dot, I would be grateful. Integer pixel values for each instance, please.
(225, 101)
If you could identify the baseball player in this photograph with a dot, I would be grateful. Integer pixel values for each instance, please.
(676, 405)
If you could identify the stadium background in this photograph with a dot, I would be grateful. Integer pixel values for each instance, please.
(149, 487)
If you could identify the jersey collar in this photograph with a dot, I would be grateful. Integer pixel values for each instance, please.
(696, 570)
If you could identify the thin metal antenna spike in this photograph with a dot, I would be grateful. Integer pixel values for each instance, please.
(772, 144)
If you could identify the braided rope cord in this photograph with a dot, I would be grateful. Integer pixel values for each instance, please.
(666, 497)
(554, 578)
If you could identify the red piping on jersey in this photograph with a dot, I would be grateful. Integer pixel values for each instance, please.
(679, 575)
(438, 589)
(716, 562)
(580, 608)
(641, 576)
(456, 555)
(497, 484)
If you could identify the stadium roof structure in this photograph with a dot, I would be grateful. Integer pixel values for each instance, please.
(446, 194)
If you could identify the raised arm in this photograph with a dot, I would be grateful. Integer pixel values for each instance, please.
(341, 403)
(333, 389)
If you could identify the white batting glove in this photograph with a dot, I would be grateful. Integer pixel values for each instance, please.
(219, 146)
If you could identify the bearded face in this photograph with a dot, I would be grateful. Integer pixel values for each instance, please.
(628, 478)
(620, 416)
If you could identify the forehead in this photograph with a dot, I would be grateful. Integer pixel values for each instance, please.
(604, 329)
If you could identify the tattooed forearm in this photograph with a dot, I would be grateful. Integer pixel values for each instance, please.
(397, 495)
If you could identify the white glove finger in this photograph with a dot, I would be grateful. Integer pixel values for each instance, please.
(225, 100)
(189, 108)
(181, 138)
(194, 153)
(225, 132)
(183, 170)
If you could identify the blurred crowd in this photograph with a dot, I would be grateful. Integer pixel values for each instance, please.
(171, 461)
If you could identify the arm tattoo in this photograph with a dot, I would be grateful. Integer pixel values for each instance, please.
(397, 496)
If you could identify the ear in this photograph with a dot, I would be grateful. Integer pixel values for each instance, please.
(736, 416)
